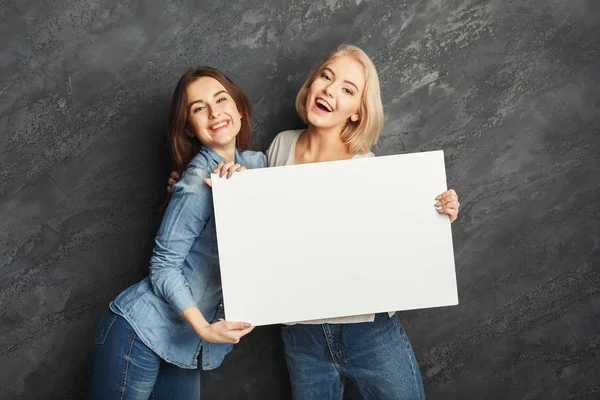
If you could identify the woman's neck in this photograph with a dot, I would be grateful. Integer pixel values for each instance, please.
(315, 145)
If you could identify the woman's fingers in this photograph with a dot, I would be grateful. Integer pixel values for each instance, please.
(218, 169)
(173, 178)
(238, 334)
(453, 205)
(453, 213)
(447, 196)
(228, 169)
(208, 181)
(450, 204)
(237, 325)
(447, 203)
(234, 331)
(223, 168)
(234, 168)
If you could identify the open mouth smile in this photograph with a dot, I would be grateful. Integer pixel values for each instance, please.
(218, 125)
(321, 104)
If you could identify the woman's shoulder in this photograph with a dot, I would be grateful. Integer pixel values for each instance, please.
(192, 179)
(253, 159)
(279, 150)
(365, 155)
(286, 137)
(199, 162)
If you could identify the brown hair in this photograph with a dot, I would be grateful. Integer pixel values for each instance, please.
(184, 146)
(362, 134)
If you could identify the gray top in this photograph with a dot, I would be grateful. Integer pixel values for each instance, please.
(280, 153)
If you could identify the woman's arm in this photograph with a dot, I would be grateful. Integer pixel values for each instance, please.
(219, 332)
(182, 223)
(254, 159)
(184, 220)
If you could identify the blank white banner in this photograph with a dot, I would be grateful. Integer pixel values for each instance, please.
(334, 239)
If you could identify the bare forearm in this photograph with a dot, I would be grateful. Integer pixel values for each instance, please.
(194, 317)
(219, 332)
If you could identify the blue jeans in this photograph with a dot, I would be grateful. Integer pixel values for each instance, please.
(377, 356)
(124, 368)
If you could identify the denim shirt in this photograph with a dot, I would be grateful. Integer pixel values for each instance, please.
(184, 271)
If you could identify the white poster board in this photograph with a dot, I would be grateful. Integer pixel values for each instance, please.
(334, 239)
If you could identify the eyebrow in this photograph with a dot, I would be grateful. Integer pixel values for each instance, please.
(202, 101)
(348, 82)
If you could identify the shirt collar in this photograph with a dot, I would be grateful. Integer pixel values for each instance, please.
(216, 157)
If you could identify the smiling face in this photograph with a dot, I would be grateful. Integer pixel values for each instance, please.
(334, 96)
(213, 114)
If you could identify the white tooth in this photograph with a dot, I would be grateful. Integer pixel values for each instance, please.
(324, 103)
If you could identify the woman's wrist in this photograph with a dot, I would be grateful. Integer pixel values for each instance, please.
(202, 331)
(194, 317)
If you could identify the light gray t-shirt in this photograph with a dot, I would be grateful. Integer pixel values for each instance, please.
(280, 153)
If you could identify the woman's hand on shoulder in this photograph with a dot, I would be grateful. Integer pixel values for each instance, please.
(447, 203)
(225, 331)
(225, 169)
(173, 178)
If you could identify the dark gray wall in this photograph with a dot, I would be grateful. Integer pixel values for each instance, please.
(509, 89)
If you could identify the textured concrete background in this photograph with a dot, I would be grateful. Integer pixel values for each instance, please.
(510, 89)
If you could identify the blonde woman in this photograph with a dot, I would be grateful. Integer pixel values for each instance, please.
(341, 104)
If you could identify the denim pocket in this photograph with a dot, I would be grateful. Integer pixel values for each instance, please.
(104, 327)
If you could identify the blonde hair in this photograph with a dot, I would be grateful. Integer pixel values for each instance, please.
(362, 134)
